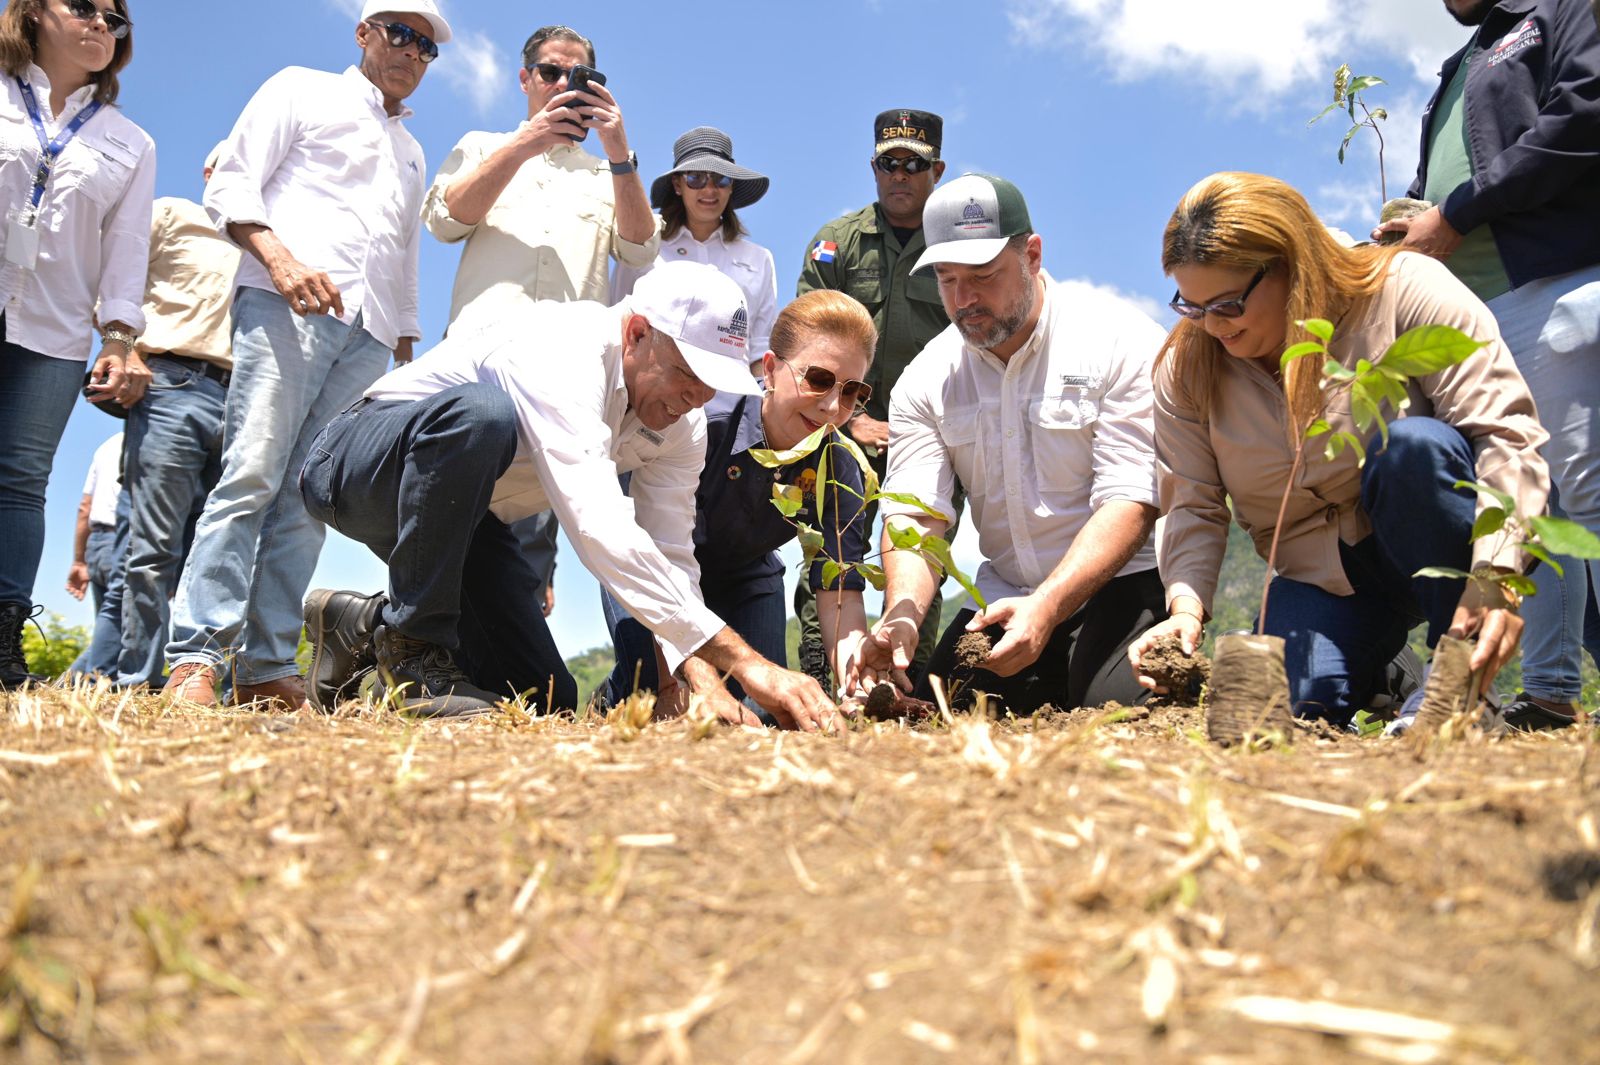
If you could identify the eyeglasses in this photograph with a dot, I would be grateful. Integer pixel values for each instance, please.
(85, 11)
(402, 36)
(697, 179)
(911, 164)
(549, 73)
(819, 381)
(1221, 308)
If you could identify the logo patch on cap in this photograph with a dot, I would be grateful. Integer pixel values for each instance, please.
(737, 332)
(975, 220)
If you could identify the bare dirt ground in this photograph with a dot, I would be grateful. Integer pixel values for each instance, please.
(192, 886)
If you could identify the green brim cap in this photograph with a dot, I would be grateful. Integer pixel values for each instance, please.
(969, 220)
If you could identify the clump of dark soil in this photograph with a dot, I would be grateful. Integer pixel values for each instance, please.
(888, 703)
(1181, 674)
(972, 651)
(1571, 876)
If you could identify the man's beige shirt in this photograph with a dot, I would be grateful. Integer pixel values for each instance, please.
(189, 290)
(1244, 450)
(549, 236)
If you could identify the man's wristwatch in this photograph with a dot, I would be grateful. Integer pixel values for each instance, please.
(626, 167)
(122, 336)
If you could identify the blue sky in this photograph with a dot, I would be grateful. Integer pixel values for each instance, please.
(1102, 111)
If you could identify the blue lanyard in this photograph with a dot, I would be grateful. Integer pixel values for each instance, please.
(51, 149)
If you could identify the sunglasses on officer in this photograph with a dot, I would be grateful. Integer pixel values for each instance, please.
(911, 164)
(1221, 308)
(85, 11)
(819, 381)
(401, 36)
(699, 179)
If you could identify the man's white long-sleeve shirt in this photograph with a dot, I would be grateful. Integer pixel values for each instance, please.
(1041, 441)
(561, 364)
(315, 157)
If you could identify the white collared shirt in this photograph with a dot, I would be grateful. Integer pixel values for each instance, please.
(549, 236)
(746, 262)
(94, 222)
(340, 181)
(104, 481)
(561, 364)
(1040, 442)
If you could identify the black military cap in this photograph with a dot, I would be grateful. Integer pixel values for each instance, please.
(901, 127)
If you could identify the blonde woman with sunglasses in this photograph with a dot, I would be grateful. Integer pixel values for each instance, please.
(813, 376)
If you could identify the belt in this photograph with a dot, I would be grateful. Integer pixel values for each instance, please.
(209, 369)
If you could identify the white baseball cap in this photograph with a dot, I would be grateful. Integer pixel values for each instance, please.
(426, 8)
(703, 310)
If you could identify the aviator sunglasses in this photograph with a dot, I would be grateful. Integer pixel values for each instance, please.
(697, 179)
(914, 164)
(1221, 308)
(85, 11)
(818, 381)
(400, 36)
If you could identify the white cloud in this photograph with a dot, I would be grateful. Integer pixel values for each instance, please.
(1145, 305)
(1250, 50)
(348, 7)
(473, 69)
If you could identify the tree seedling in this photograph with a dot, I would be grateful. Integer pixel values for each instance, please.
(1347, 97)
(1542, 536)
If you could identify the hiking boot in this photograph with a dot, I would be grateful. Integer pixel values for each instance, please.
(13, 662)
(194, 682)
(340, 627)
(285, 693)
(1401, 676)
(1525, 715)
(424, 678)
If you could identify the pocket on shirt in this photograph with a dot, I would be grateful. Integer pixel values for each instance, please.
(1061, 428)
(98, 170)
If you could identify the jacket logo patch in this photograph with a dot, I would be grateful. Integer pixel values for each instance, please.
(1519, 40)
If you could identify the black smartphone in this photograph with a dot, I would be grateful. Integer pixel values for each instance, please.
(579, 79)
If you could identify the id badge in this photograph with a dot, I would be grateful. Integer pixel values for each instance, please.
(22, 238)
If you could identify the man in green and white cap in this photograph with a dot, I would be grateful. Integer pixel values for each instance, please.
(1038, 400)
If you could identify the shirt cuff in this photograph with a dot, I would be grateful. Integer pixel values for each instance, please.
(637, 255)
(436, 216)
(686, 633)
(122, 311)
(1195, 590)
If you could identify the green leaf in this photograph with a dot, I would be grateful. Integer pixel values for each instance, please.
(1335, 370)
(822, 481)
(1490, 520)
(1380, 114)
(1544, 556)
(1519, 584)
(1317, 428)
(1348, 137)
(1444, 572)
(810, 542)
(869, 477)
(1335, 446)
(938, 549)
(1428, 349)
(1300, 351)
(1364, 411)
(773, 459)
(912, 501)
(788, 499)
(1363, 83)
(1325, 112)
(830, 572)
(873, 575)
(904, 537)
(1507, 504)
(1317, 327)
(1565, 537)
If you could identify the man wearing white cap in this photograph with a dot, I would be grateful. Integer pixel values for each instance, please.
(543, 410)
(321, 184)
(1037, 398)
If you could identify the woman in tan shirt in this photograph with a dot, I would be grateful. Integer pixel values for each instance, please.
(1251, 260)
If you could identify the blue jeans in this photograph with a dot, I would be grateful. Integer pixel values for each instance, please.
(412, 479)
(759, 614)
(174, 457)
(1552, 327)
(107, 557)
(1337, 647)
(255, 547)
(36, 398)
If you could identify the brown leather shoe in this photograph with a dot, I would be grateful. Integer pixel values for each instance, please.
(193, 682)
(285, 693)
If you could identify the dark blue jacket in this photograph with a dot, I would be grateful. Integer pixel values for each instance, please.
(737, 530)
(1533, 126)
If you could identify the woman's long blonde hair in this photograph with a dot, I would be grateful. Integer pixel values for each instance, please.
(1252, 221)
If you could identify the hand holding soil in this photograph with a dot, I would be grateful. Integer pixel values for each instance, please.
(1028, 622)
(1173, 670)
(1183, 630)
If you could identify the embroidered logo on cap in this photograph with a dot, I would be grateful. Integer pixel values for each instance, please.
(737, 331)
(974, 216)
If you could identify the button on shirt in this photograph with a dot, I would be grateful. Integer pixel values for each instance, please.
(340, 181)
(94, 222)
(575, 434)
(1040, 442)
(746, 262)
(549, 236)
(190, 290)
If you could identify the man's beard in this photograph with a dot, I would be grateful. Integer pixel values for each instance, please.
(1474, 13)
(1005, 325)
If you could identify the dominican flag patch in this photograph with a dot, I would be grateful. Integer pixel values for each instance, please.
(822, 251)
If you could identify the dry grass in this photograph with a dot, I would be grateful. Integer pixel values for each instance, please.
(189, 885)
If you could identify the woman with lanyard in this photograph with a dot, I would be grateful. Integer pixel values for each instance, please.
(76, 180)
(698, 200)
(1252, 262)
(822, 346)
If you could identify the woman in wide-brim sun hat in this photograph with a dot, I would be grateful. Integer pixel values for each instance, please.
(698, 202)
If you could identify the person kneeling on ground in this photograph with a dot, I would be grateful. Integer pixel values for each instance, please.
(432, 463)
